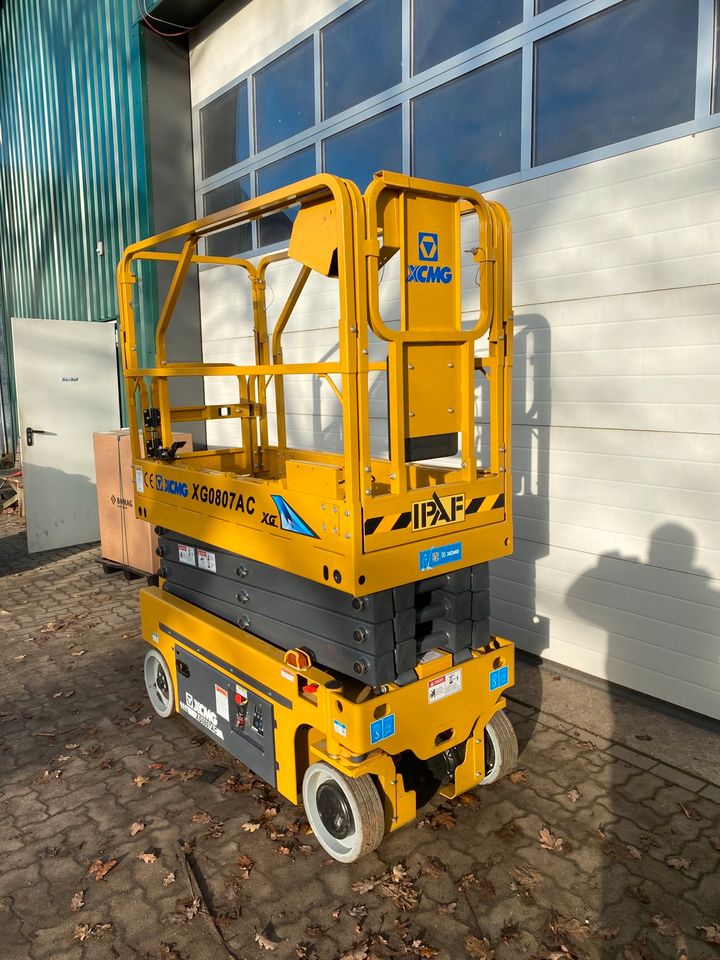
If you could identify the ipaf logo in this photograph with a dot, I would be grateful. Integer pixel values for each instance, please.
(428, 252)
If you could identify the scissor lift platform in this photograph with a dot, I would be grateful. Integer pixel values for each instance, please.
(403, 667)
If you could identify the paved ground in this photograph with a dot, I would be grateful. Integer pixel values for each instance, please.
(594, 850)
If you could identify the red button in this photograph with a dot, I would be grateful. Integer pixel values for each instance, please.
(310, 688)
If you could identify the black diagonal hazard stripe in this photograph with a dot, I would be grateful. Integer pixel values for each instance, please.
(371, 525)
(474, 505)
(500, 502)
(402, 521)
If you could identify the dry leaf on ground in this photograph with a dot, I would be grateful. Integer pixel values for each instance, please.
(550, 842)
(170, 878)
(482, 949)
(100, 869)
(439, 820)
(434, 867)
(678, 863)
(78, 901)
(517, 777)
(574, 795)
(666, 926)
(136, 828)
(147, 857)
(244, 866)
(689, 812)
(139, 780)
(84, 930)
(711, 933)
(269, 938)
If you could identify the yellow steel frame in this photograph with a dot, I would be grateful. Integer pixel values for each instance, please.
(304, 723)
(357, 505)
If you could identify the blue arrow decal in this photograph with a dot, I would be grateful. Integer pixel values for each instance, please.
(290, 520)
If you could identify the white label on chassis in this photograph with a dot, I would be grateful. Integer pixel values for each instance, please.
(206, 560)
(221, 702)
(139, 485)
(440, 687)
(186, 554)
(201, 714)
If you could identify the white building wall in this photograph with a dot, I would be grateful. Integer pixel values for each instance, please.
(616, 569)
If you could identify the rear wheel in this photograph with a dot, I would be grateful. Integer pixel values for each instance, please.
(501, 748)
(158, 683)
(346, 814)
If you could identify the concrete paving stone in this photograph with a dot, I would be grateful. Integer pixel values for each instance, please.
(711, 792)
(631, 756)
(678, 777)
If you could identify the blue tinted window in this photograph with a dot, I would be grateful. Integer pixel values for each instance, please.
(543, 5)
(626, 71)
(285, 96)
(224, 131)
(362, 150)
(277, 227)
(442, 28)
(236, 239)
(361, 54)
(468, 130)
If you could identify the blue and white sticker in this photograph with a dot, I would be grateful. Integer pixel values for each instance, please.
(438, 556)
(339, 728)
(499, 678)
(382, 729)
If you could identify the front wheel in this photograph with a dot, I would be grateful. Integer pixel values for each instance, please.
(501, 748)
(158, 683)
(346, 815)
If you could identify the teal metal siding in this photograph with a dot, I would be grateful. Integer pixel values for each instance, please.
(73, 171)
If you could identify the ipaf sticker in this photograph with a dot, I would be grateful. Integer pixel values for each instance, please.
(339, 728)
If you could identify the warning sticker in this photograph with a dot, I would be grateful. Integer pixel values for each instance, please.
(206, 560)
(186, 554)
(222, 706)
(139, 485)
(445, 686)
(339, 728)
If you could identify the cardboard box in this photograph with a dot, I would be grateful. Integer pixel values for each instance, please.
(124, 538)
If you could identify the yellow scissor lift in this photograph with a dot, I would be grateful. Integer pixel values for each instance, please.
(378, 558)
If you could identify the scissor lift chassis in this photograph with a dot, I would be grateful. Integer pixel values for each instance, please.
(339, 698)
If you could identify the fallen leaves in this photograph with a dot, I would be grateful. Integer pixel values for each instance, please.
(136, 828)
(689, 812)
(244, 866)
(78, 901)
(481, 949)
(434, 867)
(84, 930)
(525, 878)
(440, 819)
(666, 926)
(574, 795)
(517, 777)
(550, 842)
(139, 780)
(394, 884)
(147, 857)
(711, 932)
(170, 878)
(678, 863)
(269, 938)
(100, 869)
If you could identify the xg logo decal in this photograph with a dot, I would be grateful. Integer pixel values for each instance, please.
(428, 253)
(428, 247)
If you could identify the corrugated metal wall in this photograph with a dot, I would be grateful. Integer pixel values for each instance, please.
(72, 172)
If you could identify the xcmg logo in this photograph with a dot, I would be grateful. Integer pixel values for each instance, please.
(174, 487)
(428, 252)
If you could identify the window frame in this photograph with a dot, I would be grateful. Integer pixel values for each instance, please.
(523, 37)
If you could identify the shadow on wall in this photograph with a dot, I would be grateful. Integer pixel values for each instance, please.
(655, 612)
(514, 579)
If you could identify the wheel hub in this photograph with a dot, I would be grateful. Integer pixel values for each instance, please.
(334, 810)
(161, 682)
